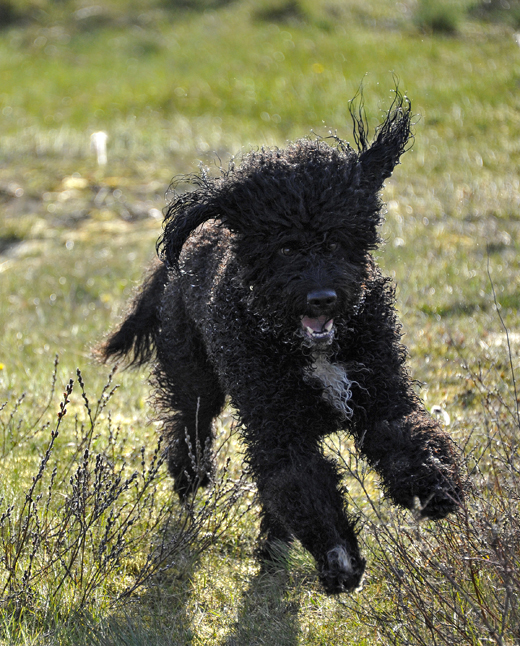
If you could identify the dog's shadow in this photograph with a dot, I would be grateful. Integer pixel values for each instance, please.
(266, 613)
(269, 608)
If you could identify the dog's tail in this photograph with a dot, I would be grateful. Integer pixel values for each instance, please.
(134, 341)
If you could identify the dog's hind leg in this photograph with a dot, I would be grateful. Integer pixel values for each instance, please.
(189, 398)
(273, 535)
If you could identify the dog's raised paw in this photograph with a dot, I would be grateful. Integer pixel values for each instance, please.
(341, 571)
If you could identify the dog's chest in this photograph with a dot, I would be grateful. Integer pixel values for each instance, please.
(336, 384)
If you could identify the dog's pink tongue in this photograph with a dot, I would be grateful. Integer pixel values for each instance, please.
(315, 325)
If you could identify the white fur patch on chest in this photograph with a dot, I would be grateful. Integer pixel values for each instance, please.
(336, 384)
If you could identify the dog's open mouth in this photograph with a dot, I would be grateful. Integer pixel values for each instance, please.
(319, 329)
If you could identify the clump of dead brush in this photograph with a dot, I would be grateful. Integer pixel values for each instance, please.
(94, 517)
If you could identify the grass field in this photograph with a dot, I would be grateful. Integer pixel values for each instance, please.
(94, 549)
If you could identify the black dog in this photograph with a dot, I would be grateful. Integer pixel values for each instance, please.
(267, 292)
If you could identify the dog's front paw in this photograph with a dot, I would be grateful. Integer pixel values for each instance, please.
(340, 571)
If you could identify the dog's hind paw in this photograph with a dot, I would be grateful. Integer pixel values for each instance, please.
(341, 572)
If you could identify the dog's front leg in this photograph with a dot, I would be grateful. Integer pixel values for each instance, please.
(299, 493)
(283, 421)
(417, 461)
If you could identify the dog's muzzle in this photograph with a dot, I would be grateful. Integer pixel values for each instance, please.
(317, 323)
(318, 330)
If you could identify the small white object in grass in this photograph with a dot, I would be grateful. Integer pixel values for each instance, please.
(156, 214)
(439, 412)
(98, 143)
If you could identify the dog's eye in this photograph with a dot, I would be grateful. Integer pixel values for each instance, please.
(287, 251)
(331, 248)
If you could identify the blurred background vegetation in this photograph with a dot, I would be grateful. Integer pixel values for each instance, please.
(179, 83)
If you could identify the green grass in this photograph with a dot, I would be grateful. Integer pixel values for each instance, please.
(173, 85)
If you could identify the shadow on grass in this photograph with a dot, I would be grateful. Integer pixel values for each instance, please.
(268, 614)
(195, 5)
(459, 309)
(167, 620)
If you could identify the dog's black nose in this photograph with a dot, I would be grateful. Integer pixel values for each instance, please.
(322, 299)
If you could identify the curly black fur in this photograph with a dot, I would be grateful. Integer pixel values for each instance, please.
(266, 292)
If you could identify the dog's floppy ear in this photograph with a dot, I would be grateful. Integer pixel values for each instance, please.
(377, 161)
(184, 214)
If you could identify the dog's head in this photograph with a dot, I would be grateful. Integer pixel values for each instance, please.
(304, 220)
